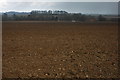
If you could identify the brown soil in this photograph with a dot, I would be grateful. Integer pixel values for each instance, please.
(59, 50)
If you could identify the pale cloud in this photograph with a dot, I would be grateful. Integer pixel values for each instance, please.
(59, 0)
(25, 6)
(82, 7)
(42, 5)
(3, 3)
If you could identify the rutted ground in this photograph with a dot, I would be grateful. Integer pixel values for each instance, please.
(59, 50)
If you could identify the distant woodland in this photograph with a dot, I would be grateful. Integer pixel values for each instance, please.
(54, 16)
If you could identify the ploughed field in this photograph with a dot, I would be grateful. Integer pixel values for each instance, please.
(59, 50)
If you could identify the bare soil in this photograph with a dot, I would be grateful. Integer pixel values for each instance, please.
(59, 50)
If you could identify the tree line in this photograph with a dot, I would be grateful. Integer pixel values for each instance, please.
(63, 16)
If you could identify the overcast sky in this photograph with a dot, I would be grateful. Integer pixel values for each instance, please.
(79, 7)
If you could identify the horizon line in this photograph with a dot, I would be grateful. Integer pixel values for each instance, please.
(56, 10)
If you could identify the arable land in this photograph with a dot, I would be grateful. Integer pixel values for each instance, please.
(59, 50)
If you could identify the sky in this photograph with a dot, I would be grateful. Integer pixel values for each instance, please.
(72, 7)
(59, 0)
